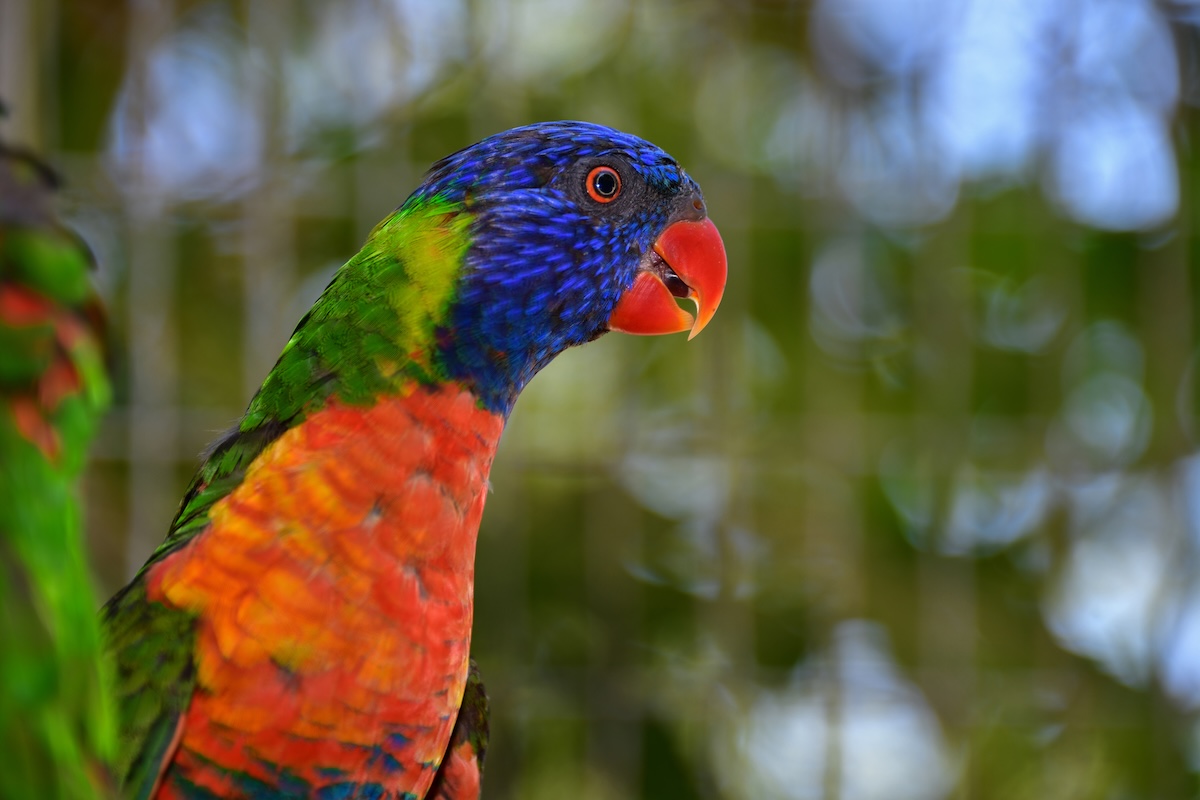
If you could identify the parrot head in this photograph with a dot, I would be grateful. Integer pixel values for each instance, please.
(510, 251)
(572, 229)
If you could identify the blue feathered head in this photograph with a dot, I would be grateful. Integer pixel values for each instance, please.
(574, 229)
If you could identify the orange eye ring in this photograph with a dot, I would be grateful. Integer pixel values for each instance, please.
(603, 184)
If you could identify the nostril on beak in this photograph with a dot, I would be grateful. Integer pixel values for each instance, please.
(691, 206)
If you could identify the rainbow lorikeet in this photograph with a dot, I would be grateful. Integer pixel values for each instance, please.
(57, 721)
(304, 629)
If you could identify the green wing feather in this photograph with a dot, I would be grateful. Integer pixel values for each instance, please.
(154, 683)
(152, 644)
(470, 728)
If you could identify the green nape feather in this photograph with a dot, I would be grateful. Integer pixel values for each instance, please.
(349, 345)
(352, 344)
(57, 722)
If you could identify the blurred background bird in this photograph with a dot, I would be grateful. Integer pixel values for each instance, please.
(56, 714)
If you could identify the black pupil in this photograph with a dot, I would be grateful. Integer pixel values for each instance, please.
(605, 183)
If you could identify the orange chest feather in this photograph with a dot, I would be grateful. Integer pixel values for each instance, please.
(333, 591)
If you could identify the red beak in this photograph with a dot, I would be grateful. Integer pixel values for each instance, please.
(687, 261)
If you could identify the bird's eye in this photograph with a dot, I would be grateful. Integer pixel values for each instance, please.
(603, 184)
